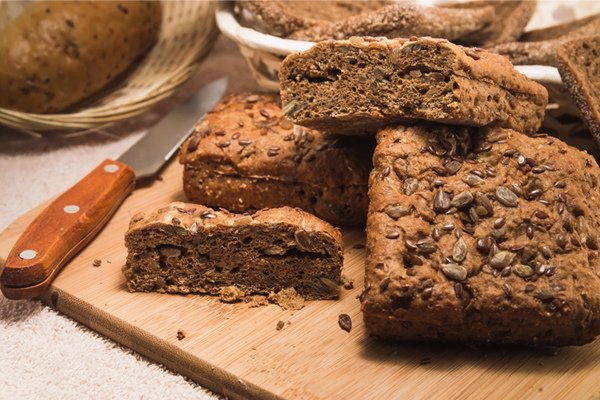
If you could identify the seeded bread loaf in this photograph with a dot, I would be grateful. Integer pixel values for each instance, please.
(283, 18)
(360, 84)
(189, 248)
(482, 235)
(403, 20)
(245, 156)
(510, 19)
(534, 49)
(556, 31)
(59, 52)
(579, 69)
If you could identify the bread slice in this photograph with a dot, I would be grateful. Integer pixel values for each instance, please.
(245, 156)
(579, 67)
(510, 19)
(189, 248)
(283, 18)
(482, 235)
(403, 20)
(357, 85)
(539, 47)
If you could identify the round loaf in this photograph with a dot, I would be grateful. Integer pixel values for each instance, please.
(59, 52)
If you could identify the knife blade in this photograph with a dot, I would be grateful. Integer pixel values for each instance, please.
(72, 220)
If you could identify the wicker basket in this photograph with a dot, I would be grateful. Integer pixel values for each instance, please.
(187, 32)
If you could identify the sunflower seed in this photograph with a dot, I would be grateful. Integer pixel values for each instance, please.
(502, 259)
(472, 180)
(441, 202)
(427, 248)
(461, 200)
(506, 197)
(493, 248)
(292, 108)
(415, 260)
(410, 186)
(544, 295)
(485, 202)
(303, 239)
(538, 170)
(247, 151)
(478, 173)
(439, 170)
(453, 166)
(473, 215)
(410, 245)
(458, 290)
(546, 252)
(454, 271)
(396, 211)
(169, 251)
(523, 270)
(459, 252)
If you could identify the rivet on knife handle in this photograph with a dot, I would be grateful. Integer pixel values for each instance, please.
(63, 228)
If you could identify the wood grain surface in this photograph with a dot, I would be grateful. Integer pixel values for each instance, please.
(237, 351)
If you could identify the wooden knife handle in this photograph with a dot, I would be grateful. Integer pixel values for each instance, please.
(63, 228)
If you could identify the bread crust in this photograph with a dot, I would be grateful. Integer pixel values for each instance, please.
(482, 236)
(58, 53)
(579, 69)
(246, 156)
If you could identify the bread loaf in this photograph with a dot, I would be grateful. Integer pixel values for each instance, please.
(485, 236)
(188, 248)
(244, 156)
(57, 53)
(357, 85)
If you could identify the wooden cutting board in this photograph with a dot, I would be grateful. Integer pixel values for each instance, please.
(237, 351)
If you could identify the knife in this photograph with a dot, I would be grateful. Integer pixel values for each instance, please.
(72, 220)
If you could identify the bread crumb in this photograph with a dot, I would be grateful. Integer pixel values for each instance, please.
(288, 299)
(231, 294)
(180, 334)
(97, 263)
(280, 325)
(256, 301)
(347, 283)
